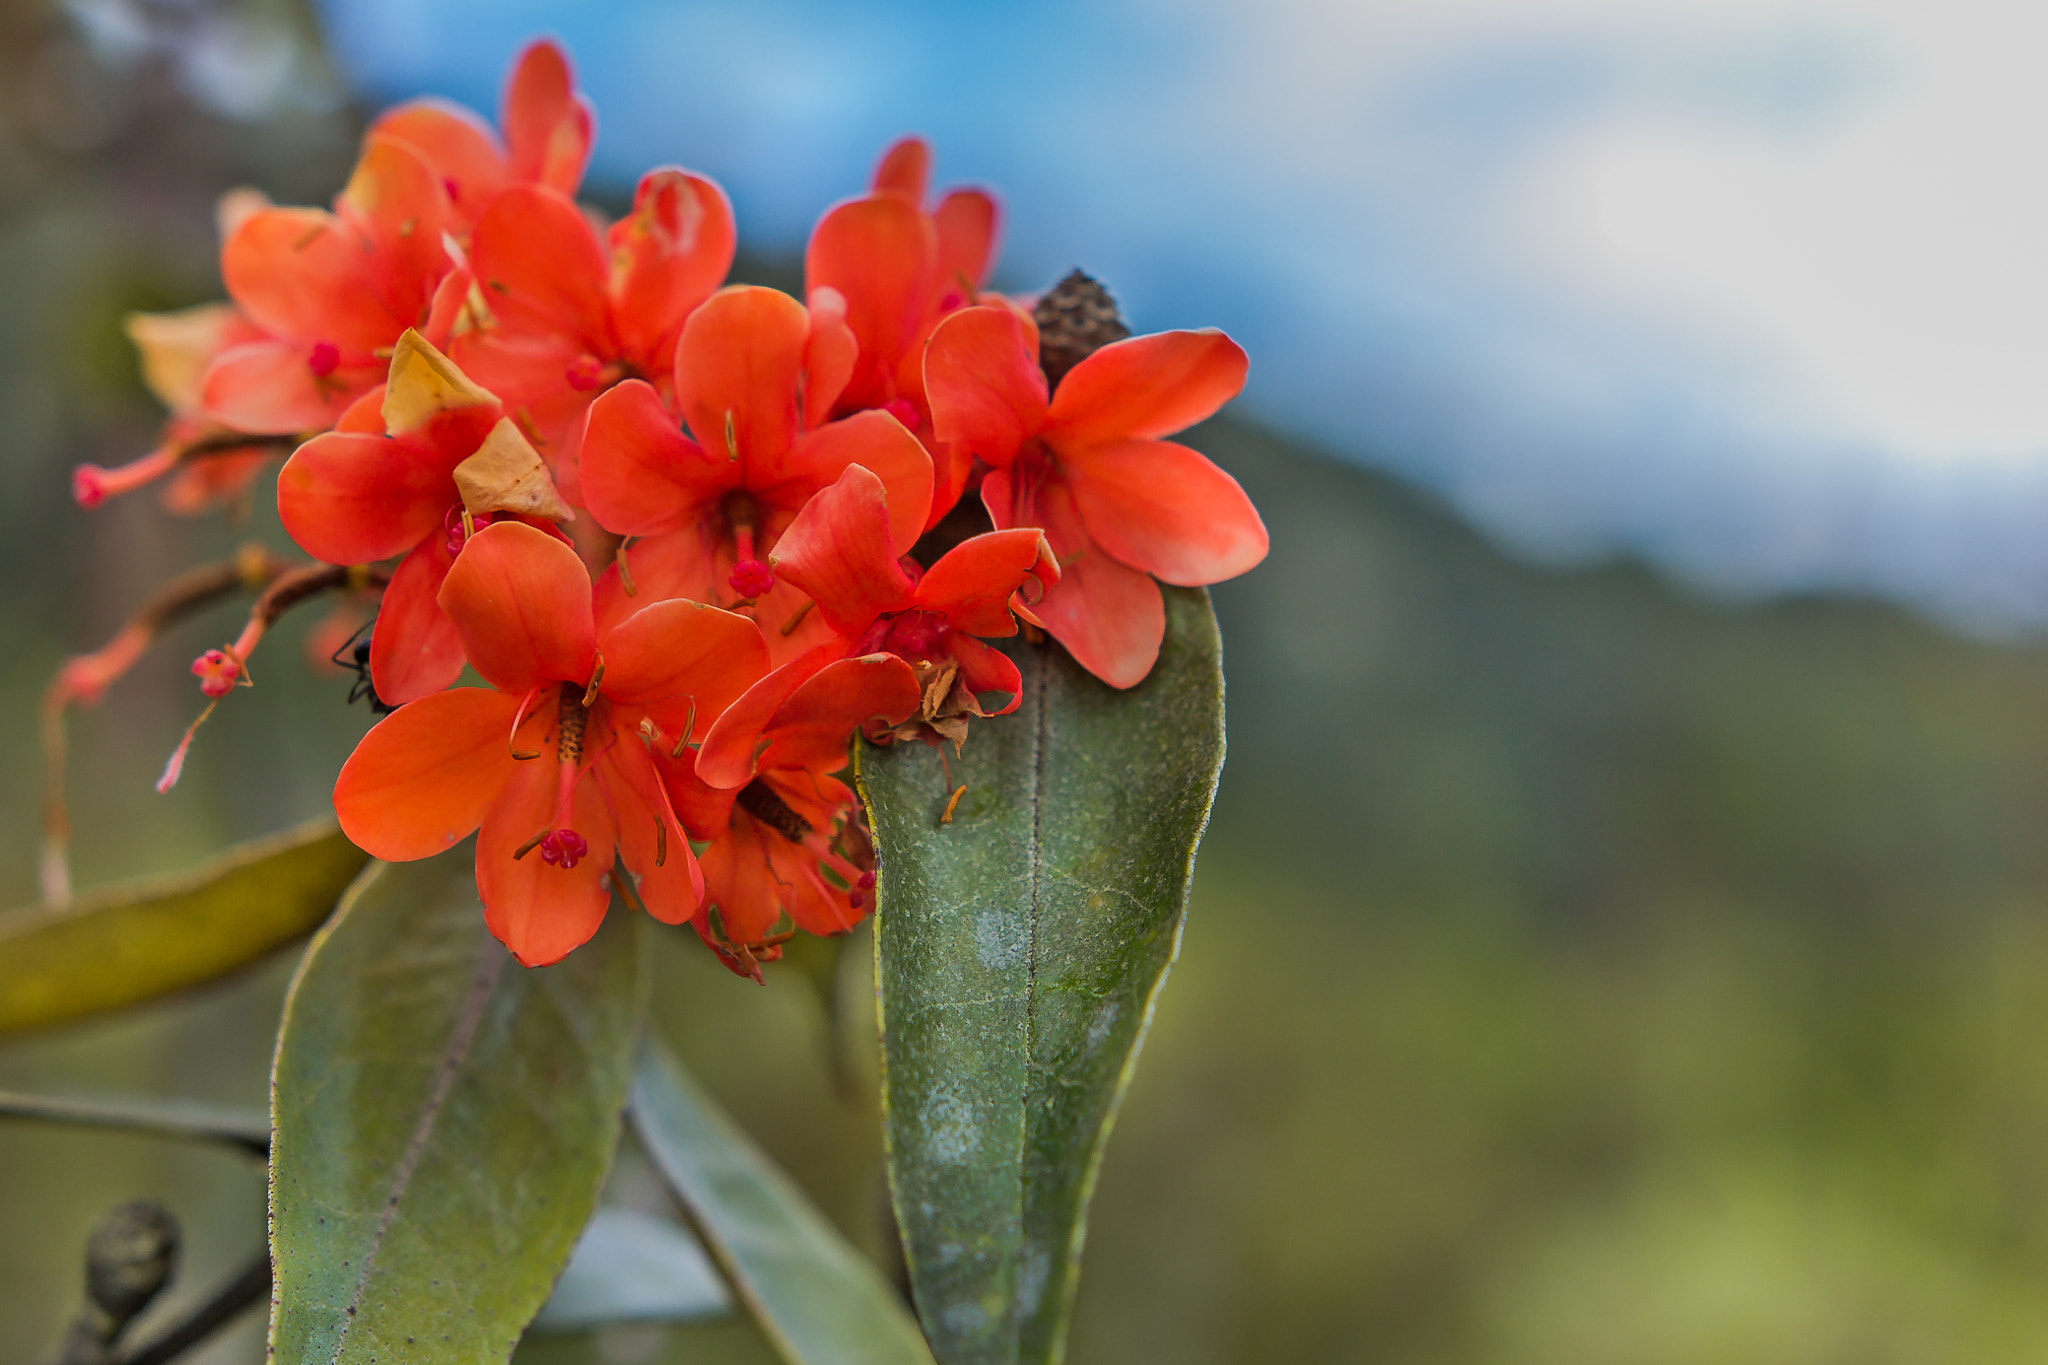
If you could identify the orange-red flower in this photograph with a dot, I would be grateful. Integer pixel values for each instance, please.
(207, 463)
(413, 471)
(1118, 505)
(755, 374)
(844, 551)
(332, 292)
(552, 761)
(790, 846)
(901, 267)
(548, 129)
(561, 316)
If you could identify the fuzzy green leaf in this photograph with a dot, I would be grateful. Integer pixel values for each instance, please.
(142, 939)
(1018, 952)
(815, 1297)
(444, 1121)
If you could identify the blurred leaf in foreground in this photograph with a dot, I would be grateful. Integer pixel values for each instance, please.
(142, 939)
(817, 1299)
(633, 1267)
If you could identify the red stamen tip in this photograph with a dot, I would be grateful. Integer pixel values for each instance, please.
(454, 190)
(953, 299)
(323, 359)
(563, 848)
(89, 486)
(903, 411)
(866, 882)
(856, 900)
(585, 372)
(751, 578)
(216, 673)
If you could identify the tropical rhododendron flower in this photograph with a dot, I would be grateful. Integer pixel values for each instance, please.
(755, 372)
(333, 292)
(789, 847)
(560, 315)
(551, 761)
(1119, 505)
(547, 132)
(414, 472)
(462, 354)
(843, 551)
(207, 463)
(900, 267)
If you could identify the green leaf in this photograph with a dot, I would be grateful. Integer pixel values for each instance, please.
(630, 1266)
(1019, 949)
(445, 1119)
(818, 1300)
(143, 939)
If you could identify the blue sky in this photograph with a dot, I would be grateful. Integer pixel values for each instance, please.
(1755, 288)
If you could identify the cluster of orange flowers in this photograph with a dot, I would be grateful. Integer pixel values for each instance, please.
(689, 534)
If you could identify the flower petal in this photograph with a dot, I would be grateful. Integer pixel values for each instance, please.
(175, 348)
(667, 255)
(726, 757)
(881, 252)
(810, 730)
(424, 776)
(1145, 386)
(538, 910)
(415, 650)
(267, 387)
(971, 583)
(676, 658)
(521, 599)
(542, 271)
(877, 442)
(982, 380)
(737, 366)
(840, 551)
(306, 276)
(548, 126)
(829, 355)
(349, 497)
(399, 203)
(456, 143)
(1109, 615)
(966, 222)
(904, 169)
(641, 476)
(985, 669)
(652, 842)
(742, 881)
(1167, 510)
(680, 563)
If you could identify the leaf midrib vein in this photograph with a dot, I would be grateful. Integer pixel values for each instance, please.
(490, 965)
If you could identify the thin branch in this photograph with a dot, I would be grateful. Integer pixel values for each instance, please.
(247, 1288)
(185, 1120)
(85, 677)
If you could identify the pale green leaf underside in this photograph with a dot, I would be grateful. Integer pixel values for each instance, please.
(816, 1298)
(630, 1266)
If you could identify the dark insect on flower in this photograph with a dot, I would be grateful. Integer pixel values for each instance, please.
(354, 655)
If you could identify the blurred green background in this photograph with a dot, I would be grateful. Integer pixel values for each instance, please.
(1579, 971)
